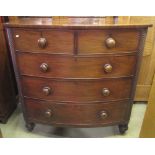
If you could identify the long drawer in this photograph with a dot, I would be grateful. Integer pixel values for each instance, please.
(75, 114)
(45, 65)
(76, 90)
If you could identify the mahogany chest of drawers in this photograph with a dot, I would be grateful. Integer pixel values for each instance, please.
(76, 75)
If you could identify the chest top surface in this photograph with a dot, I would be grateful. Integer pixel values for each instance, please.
(72, 23)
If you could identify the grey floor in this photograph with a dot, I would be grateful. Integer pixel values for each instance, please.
(15, 127)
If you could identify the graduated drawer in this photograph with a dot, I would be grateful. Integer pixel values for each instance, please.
(36, 40)
(75, 114)
(107, 41)
(75, 67)
(77, 90)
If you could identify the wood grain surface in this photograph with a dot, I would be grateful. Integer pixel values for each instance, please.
(62, 66)
(77, 90)
(76, 115)
(57, 41)
(93, 41)
(75, 56)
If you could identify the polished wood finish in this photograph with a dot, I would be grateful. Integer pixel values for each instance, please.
(75, 114)
(44, 67)
(77, 90)
(95, 41)
(56, 41)
(110, 42)
(74, 77)
(106, 91)
(108, 68)
(68, 24)
(42, 42)
(7, 89)
(63, 66)
(148, 64)
(47, 90)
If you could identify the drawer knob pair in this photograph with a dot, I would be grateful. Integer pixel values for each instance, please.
(42, 42)
(110, 42)
(105, 92)
(44, 67)
(48, 113)
(103, 114)
(47, 91)
(107, 68)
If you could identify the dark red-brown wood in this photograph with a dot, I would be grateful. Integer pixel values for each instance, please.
(93, 41)
(75, 56)
(62, 66)
(75, 114)
(49, 23)
(57, 41)
(77, 90)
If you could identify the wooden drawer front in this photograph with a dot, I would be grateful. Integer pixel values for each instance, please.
(80, 91)
(56, 41)
(72, 67)
(75, 114)
(94, 41)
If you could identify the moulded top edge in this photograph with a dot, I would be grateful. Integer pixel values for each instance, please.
(71, 24)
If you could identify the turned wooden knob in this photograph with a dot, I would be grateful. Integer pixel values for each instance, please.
(110, 42)
(103, 114)
(48, 113)
(44, 67)
(107, 68)
(42, 42)
(105, 91)
(47, 91)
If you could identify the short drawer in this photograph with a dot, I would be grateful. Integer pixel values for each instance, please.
(45, 65)
(74, 114)
(43, 40)
(107, 41)
(77, 90)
